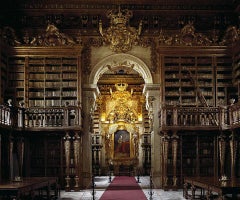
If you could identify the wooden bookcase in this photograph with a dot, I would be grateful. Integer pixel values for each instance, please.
(172, 80)
(224, 80)
(36, 82)
(53, 81)
(236, 67)
(46, 156)
(44, 80)
(189, 155)
(3, 76)
(198, 155)
(206, 155)
(185, 77)
(37, 156)
(205, 78)
(238, 162)
(16, 79)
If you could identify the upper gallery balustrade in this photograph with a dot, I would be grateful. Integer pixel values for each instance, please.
(171, 117)
(35, 118)
(199, 118)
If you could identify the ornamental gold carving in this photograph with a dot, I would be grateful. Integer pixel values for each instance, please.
(120, 36)
(52, 37)
(231, 36)
(121, 107)
(187, 36)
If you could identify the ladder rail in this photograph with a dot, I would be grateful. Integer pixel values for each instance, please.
(199, 92)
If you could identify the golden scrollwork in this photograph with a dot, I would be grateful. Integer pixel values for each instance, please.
(122, 108)
(52, 37)
(120, 36)
(187, 37)
(231, 35)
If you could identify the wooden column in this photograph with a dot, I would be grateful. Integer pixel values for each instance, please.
(1, 157)
(20, 151)
(165, 139)
(11, 157)
(222, 151)
(174, 156)
(77, 151)
(67, 147)
(233, 149)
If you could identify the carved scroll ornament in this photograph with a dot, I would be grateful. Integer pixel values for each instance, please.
(187, 36)
(52, 37)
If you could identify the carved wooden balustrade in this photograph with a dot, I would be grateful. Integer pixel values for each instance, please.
(5, 115)
(234, 115)
(171, 117)
(57, 117)
(200, 118)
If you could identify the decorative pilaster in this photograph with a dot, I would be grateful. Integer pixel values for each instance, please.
(233, 148)
(67, 146)
(11, 157)
(174, 156)
(165, 139)
(77, 150)
(20, 151)
(222, 151)
(90, 92)
(153, 104)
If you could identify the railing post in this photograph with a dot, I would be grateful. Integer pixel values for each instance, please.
(66, 115)
(21, 114)
(230, 114)
(12, 115)
(175, 116)
(164, 116)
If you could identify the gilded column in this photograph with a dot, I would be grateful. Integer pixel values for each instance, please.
(174, 156)
(165, 139)
(233, 149)
(67, 146)
(76, 146)
(222, 151)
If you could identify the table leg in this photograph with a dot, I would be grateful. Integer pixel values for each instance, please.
(193, 189)
(185, 190)
(48, 191)
(209, 195)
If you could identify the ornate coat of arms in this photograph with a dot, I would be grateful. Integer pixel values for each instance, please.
(120, 36)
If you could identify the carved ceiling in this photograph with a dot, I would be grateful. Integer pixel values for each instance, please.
(84, 15)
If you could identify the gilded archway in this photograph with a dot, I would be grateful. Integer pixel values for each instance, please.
(120, 108)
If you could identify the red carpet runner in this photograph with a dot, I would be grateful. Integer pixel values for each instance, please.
(123, 187)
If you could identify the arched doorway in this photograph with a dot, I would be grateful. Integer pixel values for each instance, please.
(120, 108)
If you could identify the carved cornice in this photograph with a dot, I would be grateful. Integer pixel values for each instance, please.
(154, 14)
(187, 36)
(148, 5)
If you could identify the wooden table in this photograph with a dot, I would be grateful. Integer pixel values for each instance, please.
(210, 185)
(17, 189)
